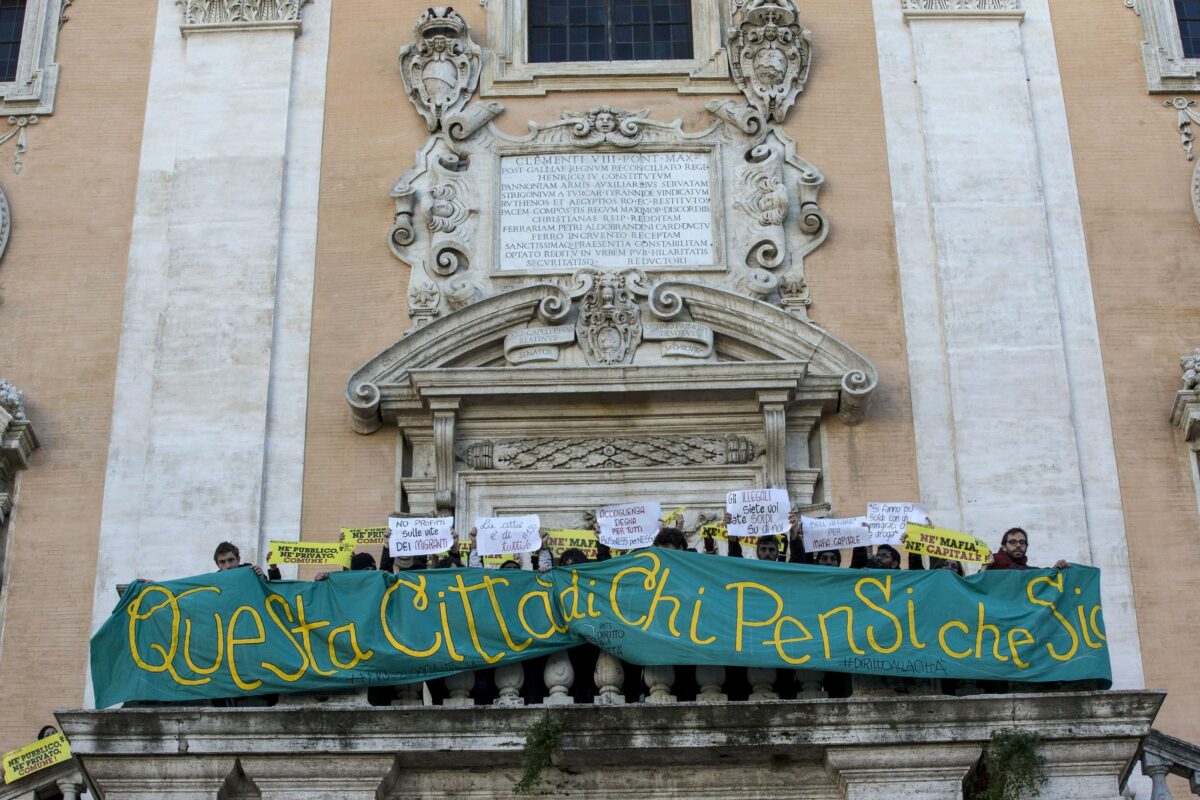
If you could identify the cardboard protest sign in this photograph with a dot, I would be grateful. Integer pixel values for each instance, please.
(629, 525)
(926, 540)
(37, 756)
(365, 537)
(498, 535)
(887, 520)
(757, 512)
(419, 536)
(561, 540)
(318, 553)
(834, 534)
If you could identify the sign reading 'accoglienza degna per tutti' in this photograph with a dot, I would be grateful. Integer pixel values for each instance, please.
(560, 210)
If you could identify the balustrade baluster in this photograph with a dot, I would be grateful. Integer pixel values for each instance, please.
(609, 676)
(559, 676)
(409, 694)
(711, 679)
(762, 684)
(509, 680)
(810, 684)
(659, 680)
(460, 685)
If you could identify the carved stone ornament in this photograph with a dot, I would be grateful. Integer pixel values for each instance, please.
(612, 452)
(607, 189)
(609, 326)
(1185, 414)
(440, 68)
(770, 54)
(1187, 116)
(5, 222)
(962, 5)
(219, 12)
(17, 444)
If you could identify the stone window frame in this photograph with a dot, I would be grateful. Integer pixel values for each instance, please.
(1167, 69)
(510, 72)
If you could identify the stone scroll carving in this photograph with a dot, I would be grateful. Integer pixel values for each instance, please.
(217, 12)
(610, 452)
(17, 444)
(440, 68)
(1187, 116)
(769, 55)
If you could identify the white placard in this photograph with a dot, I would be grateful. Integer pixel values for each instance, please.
(419, 536)
(758, 512)
(887, 520)
(560, 210)
(629, 525)
(499, 535)
(834, 534)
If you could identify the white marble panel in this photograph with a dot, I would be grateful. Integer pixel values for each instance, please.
(1011, 420)
(214, 351)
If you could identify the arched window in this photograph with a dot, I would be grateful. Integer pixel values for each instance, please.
(12, 22)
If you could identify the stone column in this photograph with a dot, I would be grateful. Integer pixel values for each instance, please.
(994, 270)
(211, 385)
(775, 427)
(914, 772)
(445, 413)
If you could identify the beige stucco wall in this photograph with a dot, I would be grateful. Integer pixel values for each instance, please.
(1143, 241)
(360, 306)
(62, 284)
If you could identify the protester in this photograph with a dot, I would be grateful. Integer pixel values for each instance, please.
(543, 558)
(671, 539)
(1012, 554)
(228, 557)
(767, 548)
(829, 558)
(572, 556)
(358, 561)
(886, 557)
(945, 563)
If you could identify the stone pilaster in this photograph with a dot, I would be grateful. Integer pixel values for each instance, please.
(922, 772)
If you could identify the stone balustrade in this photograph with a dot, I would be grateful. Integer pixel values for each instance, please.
(1164, 755)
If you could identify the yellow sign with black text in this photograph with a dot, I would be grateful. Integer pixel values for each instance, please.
(34, 757)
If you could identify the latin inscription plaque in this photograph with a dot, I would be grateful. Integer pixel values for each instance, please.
(560, 212)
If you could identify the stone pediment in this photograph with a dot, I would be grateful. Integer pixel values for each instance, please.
(607, 332)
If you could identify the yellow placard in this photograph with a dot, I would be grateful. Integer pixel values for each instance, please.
(565, 539)
(667, 520)
(319, 553)
(926, 540)
(37, 756)
(714, 529)
(364, 537)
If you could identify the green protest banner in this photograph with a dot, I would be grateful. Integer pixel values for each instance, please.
(231, 633)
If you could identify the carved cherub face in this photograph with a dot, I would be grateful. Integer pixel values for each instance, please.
(606, 121)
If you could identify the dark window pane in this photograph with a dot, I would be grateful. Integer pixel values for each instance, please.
(12, 20)
(1188, 12)
(600, 30)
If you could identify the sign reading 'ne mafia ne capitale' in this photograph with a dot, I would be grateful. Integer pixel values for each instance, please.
(230, 633)
(558, 211)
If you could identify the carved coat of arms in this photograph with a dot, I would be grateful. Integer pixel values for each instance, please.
(609, 327)
(770, 54)
(441, 67)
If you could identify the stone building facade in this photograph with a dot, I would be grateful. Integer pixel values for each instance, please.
(909, 249)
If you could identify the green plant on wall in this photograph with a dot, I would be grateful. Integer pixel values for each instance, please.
(1011, 768)
(542, 741)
